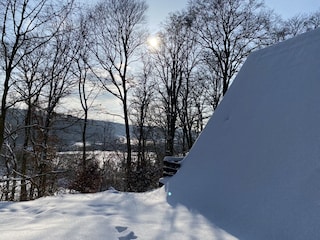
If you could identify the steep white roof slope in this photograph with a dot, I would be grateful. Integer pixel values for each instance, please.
(255, 169)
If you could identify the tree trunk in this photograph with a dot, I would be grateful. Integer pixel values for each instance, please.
(27, 122)
(128, 144)
(4, 106)
(84, 144)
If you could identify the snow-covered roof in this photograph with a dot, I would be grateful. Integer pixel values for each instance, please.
(255, 169)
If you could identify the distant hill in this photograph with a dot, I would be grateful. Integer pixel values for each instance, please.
(68, 130)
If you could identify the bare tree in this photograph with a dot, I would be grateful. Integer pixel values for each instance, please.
(82, 71)
(174, 63)
(24, 30)
(193, 88)
(23, 26)
(314, 20)
(87, 91)
(143, 96)
(29, 86)
(296, 25)
(140, 105)
(118, 29)
(300, 23)
(59, 59)
(229, 30)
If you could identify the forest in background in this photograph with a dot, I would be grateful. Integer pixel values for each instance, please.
(168, 84)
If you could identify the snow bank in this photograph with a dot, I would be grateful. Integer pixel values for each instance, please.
(108, 215)
(255, 169)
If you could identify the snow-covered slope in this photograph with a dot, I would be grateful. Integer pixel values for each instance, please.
(255, 169)
(109, 215)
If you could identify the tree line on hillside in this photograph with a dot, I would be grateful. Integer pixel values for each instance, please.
(56, 50)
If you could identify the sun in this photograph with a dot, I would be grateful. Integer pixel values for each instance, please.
(153, 42)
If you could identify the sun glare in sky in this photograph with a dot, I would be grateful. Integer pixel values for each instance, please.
(154, 42)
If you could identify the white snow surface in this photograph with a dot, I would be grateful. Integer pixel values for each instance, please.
(255, 170)
(108, 215)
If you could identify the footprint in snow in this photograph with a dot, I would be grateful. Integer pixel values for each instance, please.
(128, 236)
(121, 229)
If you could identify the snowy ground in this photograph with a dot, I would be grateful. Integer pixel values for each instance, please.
(108, 215)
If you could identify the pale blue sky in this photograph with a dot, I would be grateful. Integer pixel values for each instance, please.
(159, 9)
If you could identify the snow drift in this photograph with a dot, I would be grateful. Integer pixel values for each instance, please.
(255, 169)
(108, 215)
